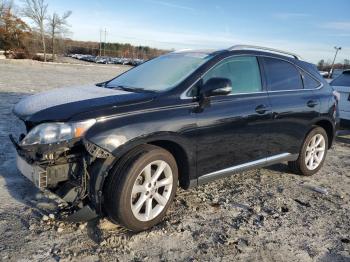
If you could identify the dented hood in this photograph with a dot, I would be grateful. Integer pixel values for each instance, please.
(61, 104)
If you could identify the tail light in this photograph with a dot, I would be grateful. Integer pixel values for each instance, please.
(336, 95)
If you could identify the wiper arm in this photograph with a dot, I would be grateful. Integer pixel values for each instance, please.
(102, 84)
(133, 89)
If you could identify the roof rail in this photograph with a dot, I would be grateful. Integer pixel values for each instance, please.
(254, 47)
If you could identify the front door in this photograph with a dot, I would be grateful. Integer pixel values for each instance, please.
(234, 129)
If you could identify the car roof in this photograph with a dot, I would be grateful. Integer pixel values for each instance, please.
(236, 48)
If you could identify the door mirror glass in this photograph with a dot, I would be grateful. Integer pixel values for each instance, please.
(217, 86)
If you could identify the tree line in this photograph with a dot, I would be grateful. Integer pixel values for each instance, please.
(323, 65)
(47, 33)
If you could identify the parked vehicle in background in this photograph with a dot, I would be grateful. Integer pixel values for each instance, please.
(336, 73)
(107, 59)
(325, 74)
(342, 85)
(101, 60)
(121, 148)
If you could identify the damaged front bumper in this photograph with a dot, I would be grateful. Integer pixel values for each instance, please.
(64, 170)
(34, 173)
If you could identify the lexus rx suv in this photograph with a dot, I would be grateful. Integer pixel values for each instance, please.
(122, 147)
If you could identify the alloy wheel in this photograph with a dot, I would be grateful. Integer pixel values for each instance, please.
(152, 190)
(315, 152)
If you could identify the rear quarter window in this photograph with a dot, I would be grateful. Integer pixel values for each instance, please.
(281, 75)
(309, 81)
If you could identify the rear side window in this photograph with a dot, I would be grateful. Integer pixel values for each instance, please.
(281, 75)
(309, 82)
(244, 73)
(342, 80)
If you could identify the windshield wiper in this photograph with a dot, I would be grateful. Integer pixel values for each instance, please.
(132, 89)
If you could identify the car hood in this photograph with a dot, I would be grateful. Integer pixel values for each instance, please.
(62, 104)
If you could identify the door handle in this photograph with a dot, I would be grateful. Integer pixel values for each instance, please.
(312, 103)
(262, 109)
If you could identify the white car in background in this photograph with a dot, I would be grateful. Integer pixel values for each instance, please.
(341, 84)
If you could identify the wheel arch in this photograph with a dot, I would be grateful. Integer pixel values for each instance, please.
(181, 148)
(329, 128)
(181, 157)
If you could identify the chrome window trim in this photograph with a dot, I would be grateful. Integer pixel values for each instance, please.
(185, 96)
(251, 93)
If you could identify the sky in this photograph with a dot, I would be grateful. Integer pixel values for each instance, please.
(306, 27)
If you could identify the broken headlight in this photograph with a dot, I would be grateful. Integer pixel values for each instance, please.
(48, 133)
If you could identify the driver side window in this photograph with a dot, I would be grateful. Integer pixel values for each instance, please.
(243, 72)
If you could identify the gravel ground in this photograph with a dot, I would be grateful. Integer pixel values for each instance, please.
(262, 215)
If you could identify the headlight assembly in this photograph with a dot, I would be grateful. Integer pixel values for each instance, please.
(48, 133)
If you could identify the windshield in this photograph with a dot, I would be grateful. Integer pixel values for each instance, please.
(161, 73)
(342, 80)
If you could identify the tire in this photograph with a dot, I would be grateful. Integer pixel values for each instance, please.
(130, 183)
(303, 165)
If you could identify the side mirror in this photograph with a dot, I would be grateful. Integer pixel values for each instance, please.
(216, 86)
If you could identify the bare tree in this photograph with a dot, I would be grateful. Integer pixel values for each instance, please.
(5, 6)
(57, 25)
(36, 10)
(2, 7)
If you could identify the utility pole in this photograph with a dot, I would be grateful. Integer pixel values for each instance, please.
(337, 49)
(100, 42)
(104, 44)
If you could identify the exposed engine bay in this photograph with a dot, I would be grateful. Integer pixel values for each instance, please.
(67, 170)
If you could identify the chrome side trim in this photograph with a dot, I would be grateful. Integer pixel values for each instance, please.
(149, 110)
(257, 163)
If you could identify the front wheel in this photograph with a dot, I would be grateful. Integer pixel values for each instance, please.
(141, 188)
(312, 154)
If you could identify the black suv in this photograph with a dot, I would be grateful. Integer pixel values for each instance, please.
(122, 147)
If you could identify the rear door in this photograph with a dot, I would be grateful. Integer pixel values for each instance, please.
(293, 106)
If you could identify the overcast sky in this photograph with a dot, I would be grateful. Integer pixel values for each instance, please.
(309, 28)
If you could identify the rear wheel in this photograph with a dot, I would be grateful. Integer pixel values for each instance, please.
(141, 187)
(312, 154)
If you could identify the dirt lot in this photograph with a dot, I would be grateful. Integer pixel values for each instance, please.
(262, 215)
